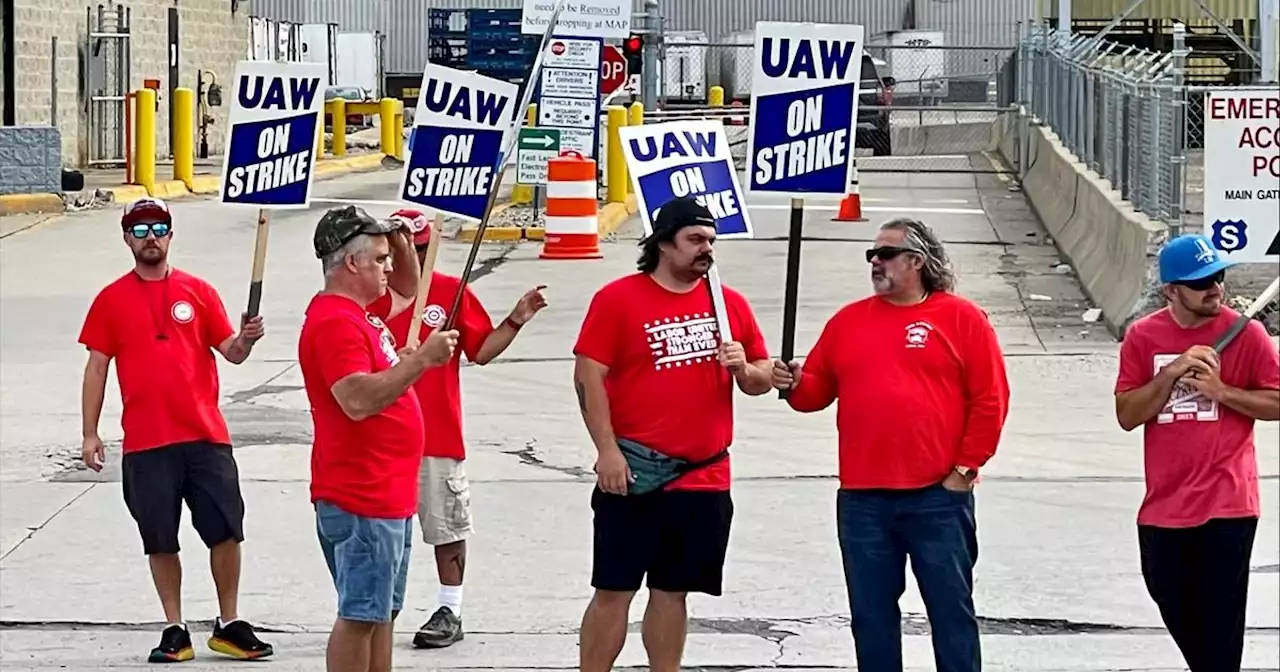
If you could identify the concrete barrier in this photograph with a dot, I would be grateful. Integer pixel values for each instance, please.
(946, 139)
(1111, 246)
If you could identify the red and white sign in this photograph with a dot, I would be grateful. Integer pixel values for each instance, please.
(613, 70)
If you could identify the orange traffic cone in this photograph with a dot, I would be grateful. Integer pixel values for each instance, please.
(850, 209)
(572, 227)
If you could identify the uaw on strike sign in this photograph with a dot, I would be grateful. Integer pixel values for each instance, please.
(459, 130)
(804, 108)
(274, 120)
(1242, 173)
(686, 158)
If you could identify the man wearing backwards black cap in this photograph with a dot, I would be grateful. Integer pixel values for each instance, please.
(655, 385)
(161, 326)
(368, 435)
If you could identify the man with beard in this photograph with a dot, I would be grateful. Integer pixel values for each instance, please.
(444, 495)
(655, 383)
(161, 326)
(1197, 408)
(923, 397)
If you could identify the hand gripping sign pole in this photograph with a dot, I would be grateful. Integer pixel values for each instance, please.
(500, 168)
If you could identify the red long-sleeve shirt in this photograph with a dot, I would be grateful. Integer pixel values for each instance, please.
(922, 389)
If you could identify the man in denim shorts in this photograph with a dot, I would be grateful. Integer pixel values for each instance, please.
(368, 436)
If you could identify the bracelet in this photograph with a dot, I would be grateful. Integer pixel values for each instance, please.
(512, 323)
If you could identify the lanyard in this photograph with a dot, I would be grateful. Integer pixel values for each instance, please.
(157, 320)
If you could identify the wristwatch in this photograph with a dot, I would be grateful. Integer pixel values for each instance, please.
(966, 472)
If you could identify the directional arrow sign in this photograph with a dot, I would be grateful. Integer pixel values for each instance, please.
(534, 147)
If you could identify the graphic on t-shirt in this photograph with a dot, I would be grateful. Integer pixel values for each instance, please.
(1185, 402)
(182, 312)
(433, 316)
(385, 339)
(918, 334)
(682, 340)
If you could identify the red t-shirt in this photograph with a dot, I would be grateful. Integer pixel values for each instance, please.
(439, 389)
(667, 390)
(1198, 454)
(368, 467)
(922, 389)
(169, 385)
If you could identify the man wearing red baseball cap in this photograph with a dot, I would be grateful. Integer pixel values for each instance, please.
(443, 492)
(161, 325)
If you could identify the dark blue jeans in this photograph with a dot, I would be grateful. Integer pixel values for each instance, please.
(934, 527)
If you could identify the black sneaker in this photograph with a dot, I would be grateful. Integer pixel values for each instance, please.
(238, 640)
(175, 646)
(441, 630)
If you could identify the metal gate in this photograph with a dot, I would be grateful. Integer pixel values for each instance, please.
(107, 70)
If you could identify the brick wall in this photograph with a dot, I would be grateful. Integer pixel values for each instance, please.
(30, 161)
(211, 39)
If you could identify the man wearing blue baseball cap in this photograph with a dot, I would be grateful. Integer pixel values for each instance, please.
(1197, 407)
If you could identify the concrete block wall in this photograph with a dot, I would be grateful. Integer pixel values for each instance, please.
(30, 160)
(211, 38)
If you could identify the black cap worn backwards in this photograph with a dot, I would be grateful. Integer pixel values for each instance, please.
(679, 213)
(340, 225)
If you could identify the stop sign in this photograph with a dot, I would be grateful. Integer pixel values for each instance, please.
(613, 70)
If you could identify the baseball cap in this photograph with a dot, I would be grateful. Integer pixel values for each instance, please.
(340, 225)
(679, 213)
(145, 209)
(1190, 257)
(416, 221)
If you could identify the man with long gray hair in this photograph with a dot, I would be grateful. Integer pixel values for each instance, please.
(923, 397)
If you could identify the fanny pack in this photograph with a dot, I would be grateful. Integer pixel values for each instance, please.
(653, 470)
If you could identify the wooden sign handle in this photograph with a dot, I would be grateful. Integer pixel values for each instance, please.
(424, 281)
(259, 264)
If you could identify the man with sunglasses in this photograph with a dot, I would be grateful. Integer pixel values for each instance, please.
(923, 396)
(444, 495)
(161, 325)
(1197, 408)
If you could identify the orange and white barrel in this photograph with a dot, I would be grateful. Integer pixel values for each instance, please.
(572, 223)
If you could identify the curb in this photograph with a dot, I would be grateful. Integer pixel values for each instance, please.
(505, 234)
(26, 204)
(610, 219)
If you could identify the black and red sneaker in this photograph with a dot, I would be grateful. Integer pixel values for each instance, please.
(237, 639)
(175, 646)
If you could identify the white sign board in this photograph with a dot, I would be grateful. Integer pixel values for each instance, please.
(1242, 173)
(582, 18)
(569, 92)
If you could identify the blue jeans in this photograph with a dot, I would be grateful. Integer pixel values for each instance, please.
(937, 530)
(368, 559)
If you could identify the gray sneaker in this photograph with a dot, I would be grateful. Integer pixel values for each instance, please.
(441, 630)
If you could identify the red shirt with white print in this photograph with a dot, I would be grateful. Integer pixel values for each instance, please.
(162, 335)
(667, 390)
(1198, 454)
(440, 388)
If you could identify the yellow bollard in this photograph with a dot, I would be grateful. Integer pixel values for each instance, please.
(636, 119)
(387, 119)
(183, 142)
(523, 193)
(319, 148)
(144, 147)
(715, 98)
(399, 130)
(338, 110)
(617, 163)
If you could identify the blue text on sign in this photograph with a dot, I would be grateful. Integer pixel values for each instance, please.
(276, 163)
(257, 94)
(834, 58)
(463, 102)
(444, 180)
(807, 148)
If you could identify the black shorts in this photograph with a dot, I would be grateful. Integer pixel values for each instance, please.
(677, 537)
(203, 474)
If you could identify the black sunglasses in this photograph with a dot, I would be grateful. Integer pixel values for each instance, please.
(160, 229)
(1202, 284)
(886, 253)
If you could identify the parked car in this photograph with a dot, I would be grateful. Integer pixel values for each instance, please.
(352, 94)
(876, 90)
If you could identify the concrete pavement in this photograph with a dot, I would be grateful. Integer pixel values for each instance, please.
(1058, 580)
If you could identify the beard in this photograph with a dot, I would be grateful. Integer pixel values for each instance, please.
(150, 255)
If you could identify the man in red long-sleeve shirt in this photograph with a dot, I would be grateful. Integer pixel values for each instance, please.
(923, 397)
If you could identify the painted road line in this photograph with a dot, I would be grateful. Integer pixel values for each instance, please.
(868, 208)
(359, 201)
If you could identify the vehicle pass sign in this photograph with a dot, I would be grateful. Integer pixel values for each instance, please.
(804, 108)
(274, 118)
(459, 127)
(1242, 173)
(686, 158)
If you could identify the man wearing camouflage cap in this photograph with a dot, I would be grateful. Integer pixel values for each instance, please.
(368, 435)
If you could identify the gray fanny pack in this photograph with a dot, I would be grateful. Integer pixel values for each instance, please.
(652, 470)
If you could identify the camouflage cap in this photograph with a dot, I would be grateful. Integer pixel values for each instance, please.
(340, 225)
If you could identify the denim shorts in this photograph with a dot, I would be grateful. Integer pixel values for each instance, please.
(368, 559)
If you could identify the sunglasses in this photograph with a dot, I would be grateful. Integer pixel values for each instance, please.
(1204, 283)
(886, 253)
(140, 231)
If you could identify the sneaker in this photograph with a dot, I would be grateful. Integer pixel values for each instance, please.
(441, 630)
(175, 646)
(238, 640)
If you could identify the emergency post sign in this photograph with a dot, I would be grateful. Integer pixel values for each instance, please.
(1242, 173)
(459, 130)
(686, 158)
(804, 108)
(274, 118)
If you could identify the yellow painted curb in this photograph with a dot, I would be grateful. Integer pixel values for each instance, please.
(493, 234)
(24, 204)
(348, 164)
(206, 184)
(170, 189)
(126, 193)
(612, 215)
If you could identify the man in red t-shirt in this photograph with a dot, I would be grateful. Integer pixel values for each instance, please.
(368, 435)
(444, 496)
(923, 396)
(655, 378)
(1197, 408)
(161, 326)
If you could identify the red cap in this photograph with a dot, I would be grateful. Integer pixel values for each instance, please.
(417, 223)
(145, 209)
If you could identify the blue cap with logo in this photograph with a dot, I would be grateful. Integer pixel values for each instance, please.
(1190, 257)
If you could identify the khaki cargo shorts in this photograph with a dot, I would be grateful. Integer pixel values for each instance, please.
(444, 501)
